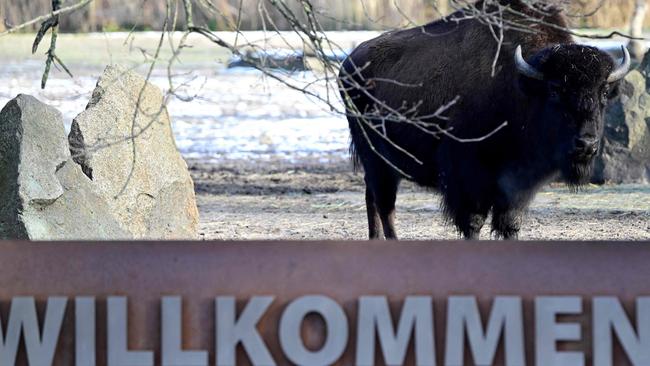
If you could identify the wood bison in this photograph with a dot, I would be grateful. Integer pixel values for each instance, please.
(552, 97)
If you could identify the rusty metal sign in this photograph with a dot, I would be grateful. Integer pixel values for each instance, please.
(271, 303)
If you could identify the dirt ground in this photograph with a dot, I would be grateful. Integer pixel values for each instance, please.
(309, 200)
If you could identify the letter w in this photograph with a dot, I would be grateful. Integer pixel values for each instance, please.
(40, 351)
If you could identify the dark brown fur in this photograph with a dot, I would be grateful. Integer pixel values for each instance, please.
(430, 66)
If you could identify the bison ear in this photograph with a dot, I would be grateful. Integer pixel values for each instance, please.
(614, 90)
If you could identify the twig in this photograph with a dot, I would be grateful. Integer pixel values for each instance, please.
(53, 24)
(67, 9)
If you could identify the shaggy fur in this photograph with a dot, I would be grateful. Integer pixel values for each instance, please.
(417, 70)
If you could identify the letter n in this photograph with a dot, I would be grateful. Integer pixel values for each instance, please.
(609, 317)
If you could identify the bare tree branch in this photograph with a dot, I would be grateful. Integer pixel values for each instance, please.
(65, 10)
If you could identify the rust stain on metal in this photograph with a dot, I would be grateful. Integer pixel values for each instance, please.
(145, 272)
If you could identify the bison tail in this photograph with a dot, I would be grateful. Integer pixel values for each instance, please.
(354, 157)
(354, 100)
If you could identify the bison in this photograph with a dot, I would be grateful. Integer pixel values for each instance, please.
(549, 92)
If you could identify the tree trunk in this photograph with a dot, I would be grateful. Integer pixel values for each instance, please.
(3, 16)
(92, 17)
(638, 48)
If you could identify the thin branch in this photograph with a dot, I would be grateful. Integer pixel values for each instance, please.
(41, 18)
(53, 24)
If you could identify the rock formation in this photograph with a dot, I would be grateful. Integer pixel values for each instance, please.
(45, 194)
(118, 175)
(625, 153)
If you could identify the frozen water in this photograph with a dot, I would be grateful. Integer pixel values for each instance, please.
(234, 114)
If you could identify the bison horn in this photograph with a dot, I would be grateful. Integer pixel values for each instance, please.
(525, 68)
(622, 70)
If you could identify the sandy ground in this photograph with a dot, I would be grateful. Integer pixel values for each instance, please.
(311, 201)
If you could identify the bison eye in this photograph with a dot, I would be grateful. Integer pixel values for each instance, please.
(554, 95)
(554, 92)
(606, 93)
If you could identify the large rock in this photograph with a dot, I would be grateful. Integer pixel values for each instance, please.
(644, 69)
(625, 155)
(124, 143)
(44, 194)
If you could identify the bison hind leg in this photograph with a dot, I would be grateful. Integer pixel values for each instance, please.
(381, 194)
(374, 221)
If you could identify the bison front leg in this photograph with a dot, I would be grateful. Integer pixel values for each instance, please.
(468, 212)
(506, 222)
(514, 193)
(507, 212)
(471, 225)
(469, 218)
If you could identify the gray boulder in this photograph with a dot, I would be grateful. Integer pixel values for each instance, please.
(44, 194)
(644, 69)
(625, 154)
(123, 141)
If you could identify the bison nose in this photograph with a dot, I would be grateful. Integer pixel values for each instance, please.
(586, 146)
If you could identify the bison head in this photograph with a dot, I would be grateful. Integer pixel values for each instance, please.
(568, 87)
